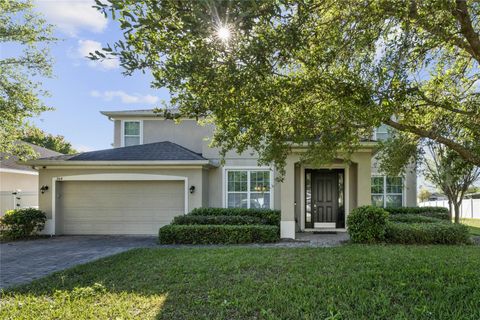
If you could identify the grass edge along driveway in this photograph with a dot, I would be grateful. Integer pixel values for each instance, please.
(348, 282)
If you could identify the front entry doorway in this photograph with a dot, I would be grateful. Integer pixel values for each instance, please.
(324, 198)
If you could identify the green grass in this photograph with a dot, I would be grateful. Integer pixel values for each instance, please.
(349, 282)
(473, 226)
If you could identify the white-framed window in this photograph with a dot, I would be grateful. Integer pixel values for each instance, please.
(131, 132)
(248, 188)
(382, 133)
(387, 191)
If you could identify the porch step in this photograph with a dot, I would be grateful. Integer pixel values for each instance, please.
(324, 232)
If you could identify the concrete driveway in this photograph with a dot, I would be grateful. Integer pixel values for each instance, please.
(24, 261)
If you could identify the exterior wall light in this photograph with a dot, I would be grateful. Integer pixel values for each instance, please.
(192, 189)
(43, 188)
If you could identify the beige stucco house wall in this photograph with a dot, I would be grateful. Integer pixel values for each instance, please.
(55, 176)
(205, 180)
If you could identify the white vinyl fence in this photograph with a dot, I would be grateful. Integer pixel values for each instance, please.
(12, 199)
(470, 208)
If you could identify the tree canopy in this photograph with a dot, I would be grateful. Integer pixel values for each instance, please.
(38, 137)
(20, 70)
(322, 73)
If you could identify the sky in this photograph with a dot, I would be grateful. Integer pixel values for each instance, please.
(81, 88)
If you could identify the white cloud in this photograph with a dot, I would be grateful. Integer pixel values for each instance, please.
(71, 16)
(125, 97)
(85, 47)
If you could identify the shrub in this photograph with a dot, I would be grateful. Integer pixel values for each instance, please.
(367, 224)
(217, 234)
(427, 233)
(218, 220)
(271, 217)
(414, 218)
(434, 212)
(22, 223)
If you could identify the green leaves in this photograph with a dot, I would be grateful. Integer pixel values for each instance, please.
(38, 137)
(323, 73)
(20, 95)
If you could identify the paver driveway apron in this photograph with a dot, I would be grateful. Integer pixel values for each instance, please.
(23, 261)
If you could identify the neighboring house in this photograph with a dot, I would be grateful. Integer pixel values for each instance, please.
(19, 183)
(437, 197)
(159, 169)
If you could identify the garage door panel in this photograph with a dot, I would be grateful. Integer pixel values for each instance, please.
(120, 201)
(105, 216)
(118, 186)
(119, 207)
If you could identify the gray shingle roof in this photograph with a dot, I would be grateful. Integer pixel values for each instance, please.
(10, 161)
(158, 151)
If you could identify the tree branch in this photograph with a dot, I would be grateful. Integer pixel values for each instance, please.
(465, 153)
(466, 28)
(438, 104)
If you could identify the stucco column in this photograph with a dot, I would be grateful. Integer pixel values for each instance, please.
(364, 178)
(287, 223)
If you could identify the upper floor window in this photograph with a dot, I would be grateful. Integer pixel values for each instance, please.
(249, 189)
(382, 133)
(387, 191)
(132, 133)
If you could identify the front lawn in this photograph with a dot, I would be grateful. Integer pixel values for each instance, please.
(349, 282)
(473, 226)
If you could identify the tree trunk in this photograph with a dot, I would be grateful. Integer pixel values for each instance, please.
(456, 205)
(450, 212)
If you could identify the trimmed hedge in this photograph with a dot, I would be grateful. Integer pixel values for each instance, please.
(427, 233)
(217, 234)
(367, 224)
(434, 212)
(414, 218)
(271, 217)
(22, 223)
(217, 220)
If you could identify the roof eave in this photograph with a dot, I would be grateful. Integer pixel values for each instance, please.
(363, 145)
(114, 114)
(117, 162)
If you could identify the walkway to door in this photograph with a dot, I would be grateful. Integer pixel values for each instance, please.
(322, 239)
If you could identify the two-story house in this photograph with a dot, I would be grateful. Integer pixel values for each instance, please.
(159, 169)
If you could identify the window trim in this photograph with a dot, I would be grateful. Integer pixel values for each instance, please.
(384, 194)
(122, 131)
(248, 169)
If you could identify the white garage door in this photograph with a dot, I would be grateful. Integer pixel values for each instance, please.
(117, 207)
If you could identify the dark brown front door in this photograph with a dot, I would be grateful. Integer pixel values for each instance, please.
(324, 197)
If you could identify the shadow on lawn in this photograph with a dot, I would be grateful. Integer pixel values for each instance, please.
(140, 283)
(104, 289)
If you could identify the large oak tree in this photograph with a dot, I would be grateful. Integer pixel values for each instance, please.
(320, 72)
